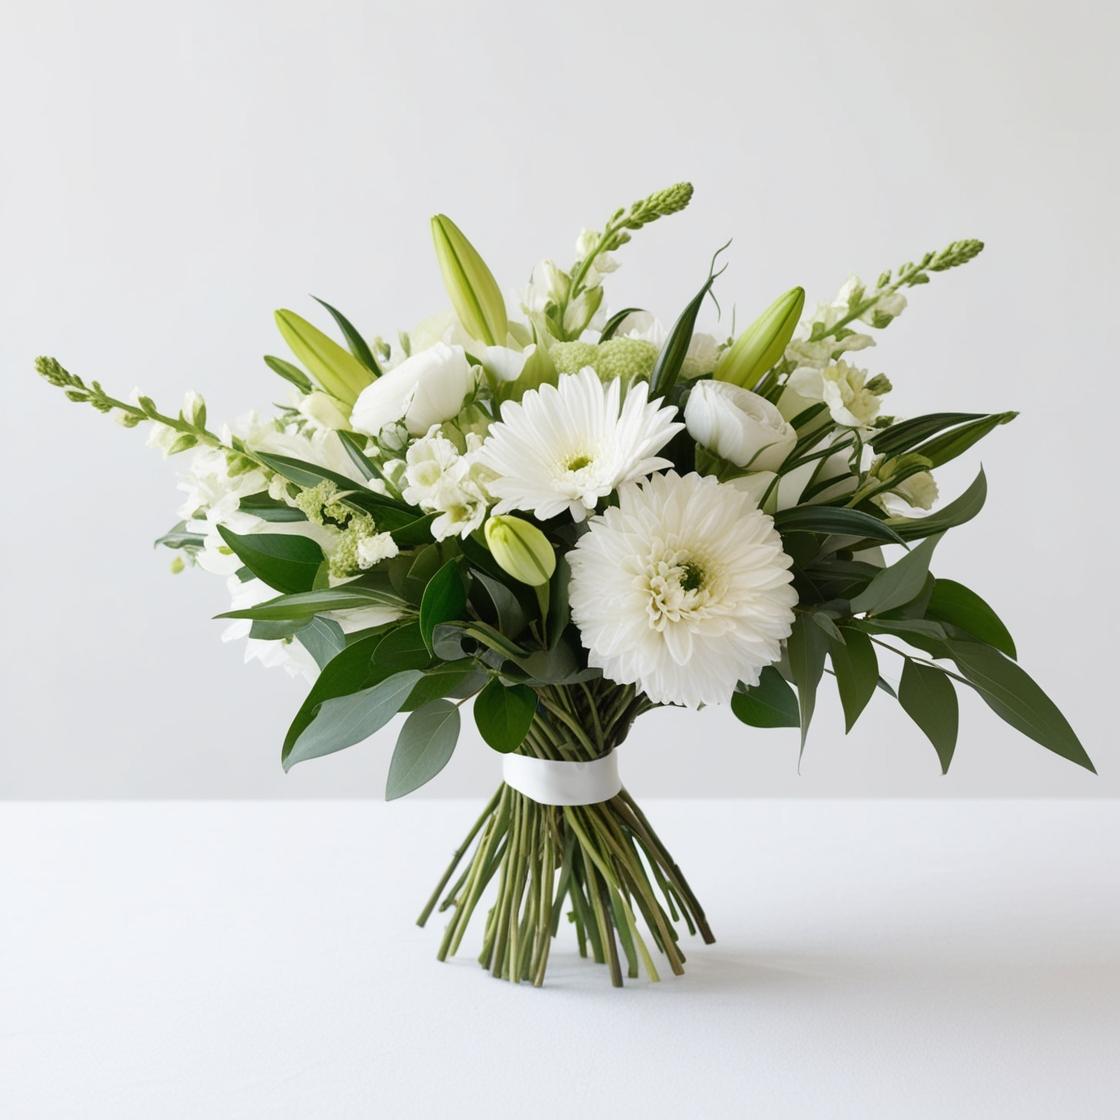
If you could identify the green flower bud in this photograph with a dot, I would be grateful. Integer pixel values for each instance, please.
(627, 358)
(763, 343)
(520, 549)
(571, 357)
(474, 292)
(336, 369)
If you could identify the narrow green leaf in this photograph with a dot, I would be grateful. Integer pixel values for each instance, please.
(961, 607)
(928, 698)
(559, 605)
(346, 720)
(179, 537)
(957, 512)
(666, 368)
(424, 746)
(1017, 700)
(445, 600)
(899, 583)
(834, 520)
(503, 714)
(285, 561)
(616, 321)
(906, 434)
(352, 445)
(857, 673)
(947, 446)
(267, 508)
(290, 373)
(771, 703)
(305, 604)
(806, 651)
(354, 341)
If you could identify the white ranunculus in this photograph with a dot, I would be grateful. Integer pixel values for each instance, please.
(423, 390)
(738, 425)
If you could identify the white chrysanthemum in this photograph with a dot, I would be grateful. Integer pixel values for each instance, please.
(564, 447)
(682, 589)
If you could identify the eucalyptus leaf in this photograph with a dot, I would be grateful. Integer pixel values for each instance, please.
(857, 673)
(322, 638)
(424, 746)
(806, 651)
(899, 583)
(504, 714)
(928, 698)
(444, 600)
(770, 703)
(961, 607)
(505, 606)
(403, 648)
(346, 720)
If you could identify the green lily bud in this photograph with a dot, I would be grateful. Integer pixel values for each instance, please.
(335, 368)
(763, 343)
(474, 292)
(520, 549)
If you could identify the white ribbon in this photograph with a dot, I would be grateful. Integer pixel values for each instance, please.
(562, 783)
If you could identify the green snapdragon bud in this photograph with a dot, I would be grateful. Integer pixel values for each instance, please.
(520, 549)
(763, 343)
(336, 369)
(474, 292)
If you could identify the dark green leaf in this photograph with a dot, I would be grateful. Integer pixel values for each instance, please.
(290, 373)
(898, 584)
(179, 537)
(1016, 699)
(322, 638)
(305, 604)
(445, 600)
(834, 520)
(857, 673)
(559, 607)
(388, 513)
(451, 640)
(267, 508)
(352, 444)
(403, 648)
(503, 715)
(806, 652)
(424, 746)
(663, 376)
(927, 696)
(502, 604)
(456, 679)
(616, 321)
(346, 720)
(771, 703)
(354, 341)
(285, 561)
(954, 603)
(949, 445)
(957, 512)
(904, 435)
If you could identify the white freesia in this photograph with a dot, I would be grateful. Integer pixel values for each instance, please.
(565, 447)
(440, 479)
(842, 387)
(738, 425)
(668, 599)
(423, 390)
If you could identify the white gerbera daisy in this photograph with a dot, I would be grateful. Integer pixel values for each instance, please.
(565, 447)
(682, 589)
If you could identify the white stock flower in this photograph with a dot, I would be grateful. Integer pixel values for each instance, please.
(738, 425)
(372, 550)
(565, 447)
(841, 386)
(423, 390)
(439, 479)
(919, 491)
(682, 589)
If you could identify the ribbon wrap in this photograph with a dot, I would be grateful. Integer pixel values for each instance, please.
(562, 783)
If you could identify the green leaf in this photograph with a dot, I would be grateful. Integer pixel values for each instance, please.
(857, 673)
(453, 640)
(663, 376)
(806, 652)
(285, 561)
(305, 604)
(179, 537)
(290, 373)
(354, 341)
(770, 703)
(959, 606)
(352, 445)
(927, 696)
(503, 714)
(322, 638)
(424, 746)
(1017, 700)
(346, 720)
(899, 583)
(456, 679)
(445, 600)
(559, 605)
(267, 508)
(616, 321)
(834, 520)
(949, 445)
(502, 604)
(957, 512)
(336, 369)
(403, 648)
(906, 434)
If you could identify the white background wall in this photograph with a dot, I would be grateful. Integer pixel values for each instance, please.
(171, 173)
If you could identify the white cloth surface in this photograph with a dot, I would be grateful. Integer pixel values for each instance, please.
(875, 959)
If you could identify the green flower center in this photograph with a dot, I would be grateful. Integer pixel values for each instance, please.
(693, 577)
(578, 462)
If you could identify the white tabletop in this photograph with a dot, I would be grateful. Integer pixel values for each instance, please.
(894, 959)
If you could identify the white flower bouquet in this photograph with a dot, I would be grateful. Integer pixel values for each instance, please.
(572, 520)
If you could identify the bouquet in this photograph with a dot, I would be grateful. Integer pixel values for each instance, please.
(572, 519)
